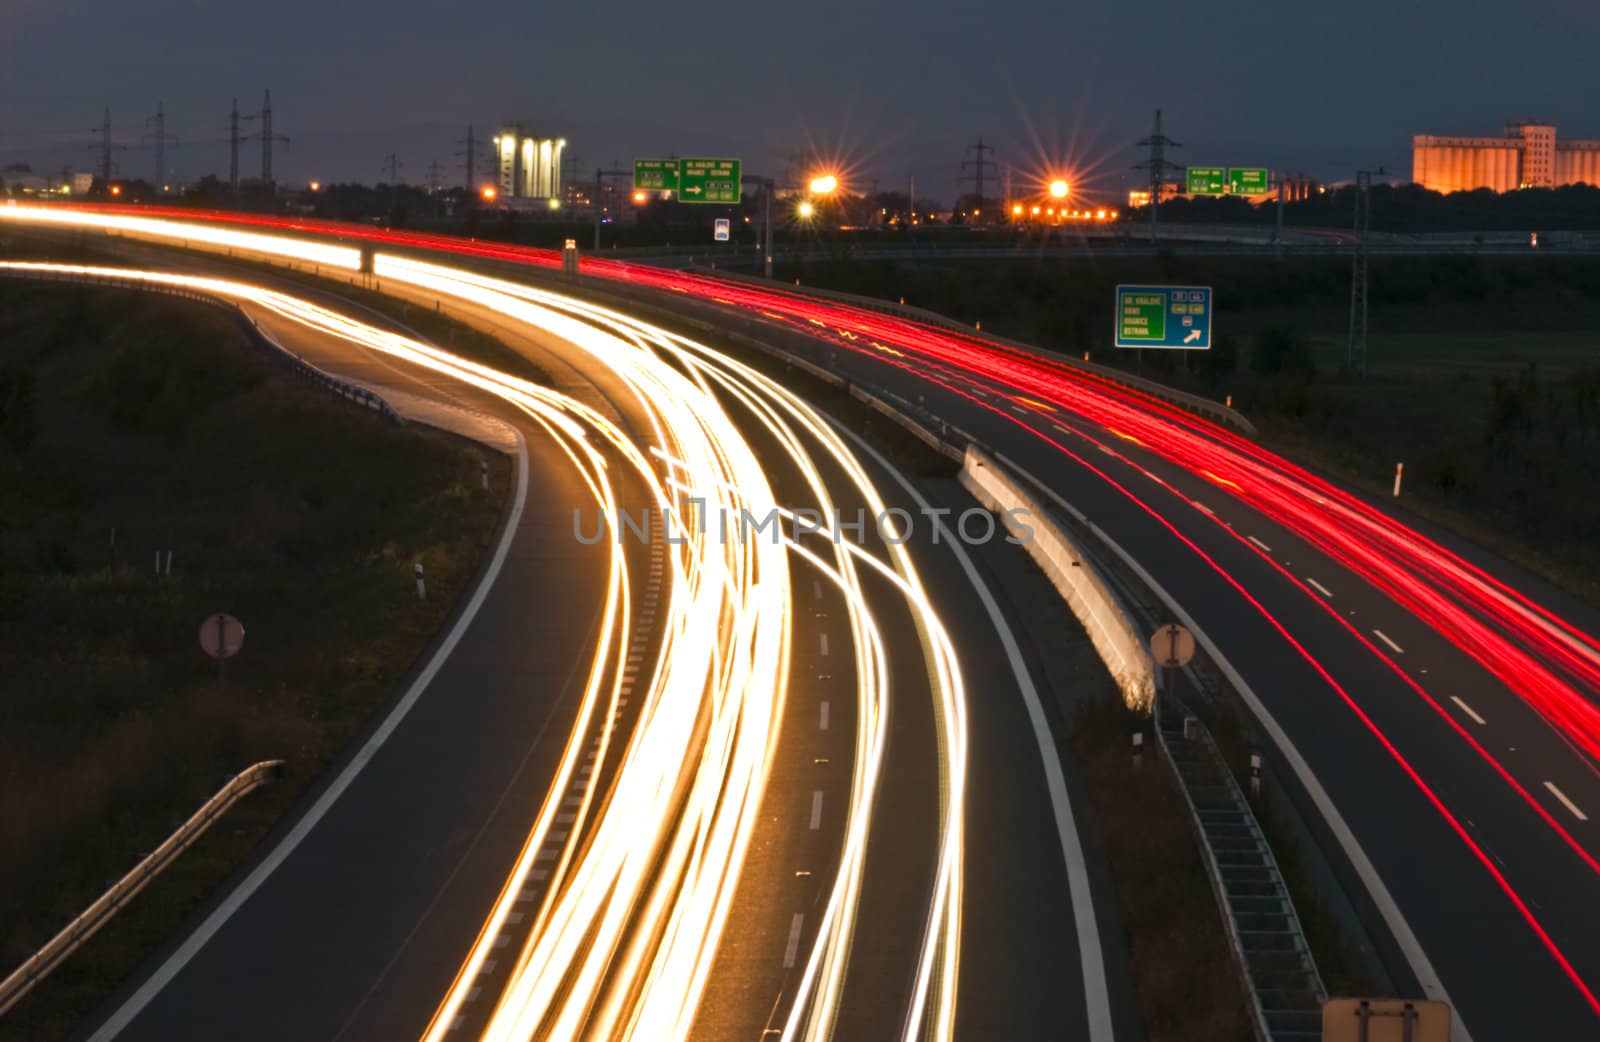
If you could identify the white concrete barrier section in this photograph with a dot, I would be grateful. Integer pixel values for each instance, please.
(1115, 636)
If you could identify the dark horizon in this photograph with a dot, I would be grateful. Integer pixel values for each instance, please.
(885, 98)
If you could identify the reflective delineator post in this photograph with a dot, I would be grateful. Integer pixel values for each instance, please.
(422, 586)
(1138, 749)
(1399, 469)
(484, 472)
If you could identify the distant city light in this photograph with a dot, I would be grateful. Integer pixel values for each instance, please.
(824, 184)
(638, 197)
(116, 189)
(806, 210)
(1058, 189)
(555, 204)
(489, 192)
(316, 186)
(1016, 210)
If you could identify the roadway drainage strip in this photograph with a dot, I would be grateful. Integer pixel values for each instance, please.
(539, 877)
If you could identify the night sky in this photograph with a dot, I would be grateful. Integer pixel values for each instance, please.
(891, 89)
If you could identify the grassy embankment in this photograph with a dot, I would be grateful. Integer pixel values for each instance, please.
(1484, 372)
(131, 425)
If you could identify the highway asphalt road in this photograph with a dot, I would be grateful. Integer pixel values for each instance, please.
(407, 879)
(1491, 962)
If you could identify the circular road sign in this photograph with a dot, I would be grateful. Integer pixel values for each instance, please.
(221, 636)
(1172, 646)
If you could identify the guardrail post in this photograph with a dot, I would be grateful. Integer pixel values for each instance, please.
(1138, 749)
(484, 472)
(422, 585)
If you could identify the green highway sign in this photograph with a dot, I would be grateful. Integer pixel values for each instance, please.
(1207, 180)
(655, 175)
(1164, 316)
(1248, 180)
(708, 180)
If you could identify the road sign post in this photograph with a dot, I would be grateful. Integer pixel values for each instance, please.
(709, 181)
(221, 637)
(655, 175)
(1248, 180)
(1175, 317)
(1206, 180)
(1172, 647)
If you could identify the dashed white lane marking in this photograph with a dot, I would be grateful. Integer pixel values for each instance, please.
(1063, 430)
(1468, 710)
(527, 895)
(1203, 508)
(572, 801)
(816, 589)
(460, 1020)
(816, 810)
(1385, 638)
(503, 940)
(1259, 543)
(824, 643)
(1318, 587)
(557, 836)
(539, 875)
(822, 725)
(566, 818)
(514, 918)
(472, 996)
(1573, 807)
(487, 967)
(547, 854)
(793, 947)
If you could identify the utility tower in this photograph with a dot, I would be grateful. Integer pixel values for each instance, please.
(233, 144)
(980, 164)
(267, 138)
(469, 156)
(435, 176)
(158, 134)
(392, 164)
(105, 148)
(1157, 165)
(1356, 350)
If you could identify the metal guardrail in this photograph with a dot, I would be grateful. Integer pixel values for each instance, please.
(1193, 402)
(1280, 974)
(335, 385)
(58, 948)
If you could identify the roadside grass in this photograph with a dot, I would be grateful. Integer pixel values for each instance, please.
(1185, 977)
(132, 425)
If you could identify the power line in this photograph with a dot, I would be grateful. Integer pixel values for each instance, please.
(160, 136)
(267, 137)
(1157, 164)
(233, 144)
(980, 166)
(106, 148)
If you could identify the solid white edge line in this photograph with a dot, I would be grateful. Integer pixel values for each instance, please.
(1318, 587)
(1421, 966)
(1468, 710)
(1096, 997)
(135, 1003)
(1385, 638)
(1573, 807)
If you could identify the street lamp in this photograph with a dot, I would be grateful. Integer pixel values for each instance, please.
(1058, 189)
(824, 184)
(806, 210)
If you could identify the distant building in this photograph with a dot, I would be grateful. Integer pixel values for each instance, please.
(1528, 155)
(528, 167)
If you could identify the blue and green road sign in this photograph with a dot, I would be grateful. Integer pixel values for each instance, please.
(1164, 317)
